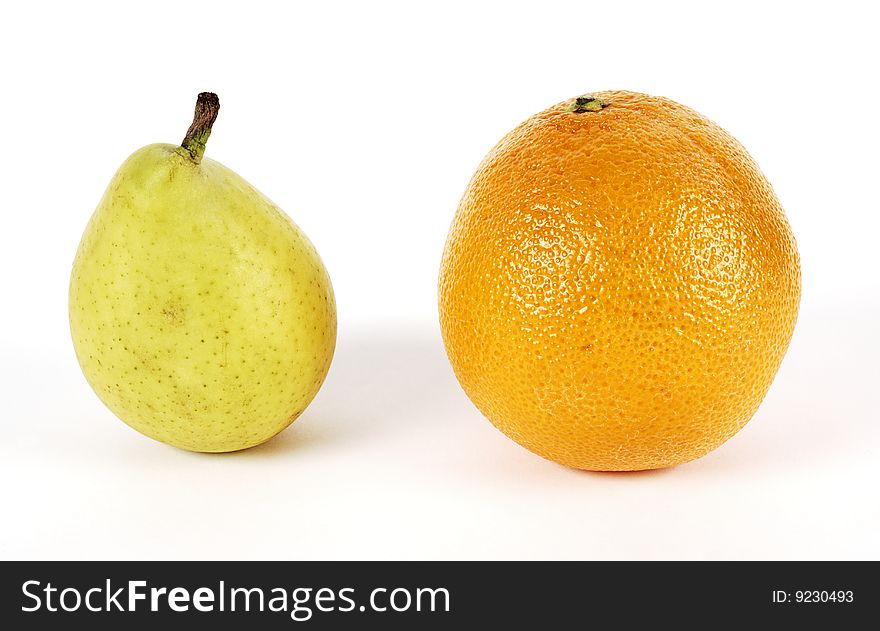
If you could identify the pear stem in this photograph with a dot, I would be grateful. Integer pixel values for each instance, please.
(207, 107)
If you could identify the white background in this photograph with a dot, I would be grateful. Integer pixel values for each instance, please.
(364, 122)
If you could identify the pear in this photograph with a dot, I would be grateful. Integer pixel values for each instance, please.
(201, 315)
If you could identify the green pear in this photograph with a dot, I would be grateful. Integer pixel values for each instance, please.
(201, 315)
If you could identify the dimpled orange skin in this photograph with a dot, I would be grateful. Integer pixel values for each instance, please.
(619, 286)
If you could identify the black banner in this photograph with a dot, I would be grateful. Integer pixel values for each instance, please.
(431, 595)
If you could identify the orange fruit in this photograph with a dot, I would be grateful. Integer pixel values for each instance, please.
(619, 284)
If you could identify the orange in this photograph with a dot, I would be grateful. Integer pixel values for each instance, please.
(619, 284)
